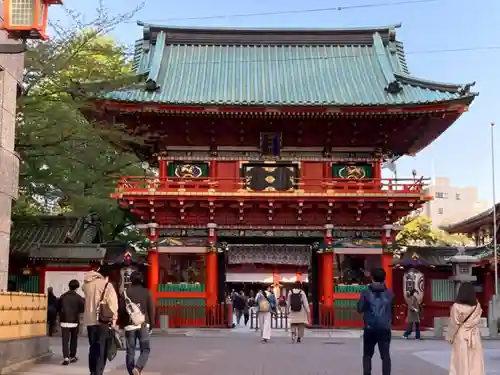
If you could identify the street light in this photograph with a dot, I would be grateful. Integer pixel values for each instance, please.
(27, 19)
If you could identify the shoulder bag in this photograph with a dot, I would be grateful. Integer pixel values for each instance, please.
(104, 313)
(461, 324)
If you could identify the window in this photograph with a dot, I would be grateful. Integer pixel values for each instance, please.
(457, 196)
(441, 195)
(440, 211)
(182, 268)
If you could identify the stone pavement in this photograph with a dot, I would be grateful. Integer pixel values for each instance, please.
(245, 355)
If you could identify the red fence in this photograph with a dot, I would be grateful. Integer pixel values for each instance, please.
(221, 316)
(181, 316)
(133, 184)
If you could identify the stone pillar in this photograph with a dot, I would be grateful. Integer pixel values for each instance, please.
(462, 268)
(327, 267)
(212, 274)
(10, 83)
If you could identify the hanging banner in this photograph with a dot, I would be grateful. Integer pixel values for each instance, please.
(413, 279)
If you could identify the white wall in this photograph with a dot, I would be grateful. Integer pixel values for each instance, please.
(59, 281)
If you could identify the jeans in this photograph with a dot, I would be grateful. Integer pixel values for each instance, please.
(98, 345)
(409, 330)
(141, 335)
(69, 341)
(371, 338)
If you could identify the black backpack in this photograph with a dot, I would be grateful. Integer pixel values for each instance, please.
(379, 314)
(296, 301)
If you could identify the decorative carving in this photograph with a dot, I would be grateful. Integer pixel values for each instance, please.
(352, 172)
(188, 171)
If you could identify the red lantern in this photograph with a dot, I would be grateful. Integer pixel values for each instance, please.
(27, 19)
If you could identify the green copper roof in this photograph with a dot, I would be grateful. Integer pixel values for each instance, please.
(358, 67)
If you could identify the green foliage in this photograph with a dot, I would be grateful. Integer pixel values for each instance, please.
(418, 231)
(68, 163)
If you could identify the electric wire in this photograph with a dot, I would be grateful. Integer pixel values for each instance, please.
(297, 11)
(325, 57)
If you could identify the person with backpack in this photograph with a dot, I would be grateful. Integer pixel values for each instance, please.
(298, 310)
(265, 305)
(71, 306)
(100, 315)
(375, 303)
(136, 317)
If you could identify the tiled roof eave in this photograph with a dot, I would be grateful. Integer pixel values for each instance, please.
(435, 85)
(473, 222)
(326, 108)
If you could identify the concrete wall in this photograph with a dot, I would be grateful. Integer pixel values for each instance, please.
(11, 73)
(452, 203)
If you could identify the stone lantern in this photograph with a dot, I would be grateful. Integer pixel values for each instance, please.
(462, 268)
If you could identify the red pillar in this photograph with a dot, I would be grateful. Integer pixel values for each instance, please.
(327, 267)
(387, 266)
(162, 168)
(211, 266)
(489, 285)
(388, 237)
(153, 274)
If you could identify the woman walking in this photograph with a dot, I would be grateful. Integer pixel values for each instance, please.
(464, 334)
(266, 306)
(413, 316)
(299, 311)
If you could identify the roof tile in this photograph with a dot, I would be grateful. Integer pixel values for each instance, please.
(356, 74)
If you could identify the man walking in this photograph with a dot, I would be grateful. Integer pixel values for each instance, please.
(71, 305)
(375, 303)
(136, 315)
(101, 313)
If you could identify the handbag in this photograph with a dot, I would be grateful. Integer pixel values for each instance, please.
(104, 313)
(114, 344)
(461, 324)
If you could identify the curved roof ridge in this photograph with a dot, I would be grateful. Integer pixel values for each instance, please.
(371, 29)
(435, 85)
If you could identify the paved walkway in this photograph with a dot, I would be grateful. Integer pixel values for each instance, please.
(245, 355)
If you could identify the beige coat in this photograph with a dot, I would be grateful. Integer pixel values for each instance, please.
(302, 316)
(93, 286)
(467, 350)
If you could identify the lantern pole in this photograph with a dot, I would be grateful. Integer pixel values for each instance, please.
(495, 255)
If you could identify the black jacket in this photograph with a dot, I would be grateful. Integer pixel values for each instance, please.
(70, 306)
(140, 296)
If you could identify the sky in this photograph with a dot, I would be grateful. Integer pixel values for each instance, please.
(455, 41)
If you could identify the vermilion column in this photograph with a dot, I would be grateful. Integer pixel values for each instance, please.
(162, 168)
(211, 266)
(327, 267)
(387, 266)
(388, 236)
(327, 277)
(153, 272)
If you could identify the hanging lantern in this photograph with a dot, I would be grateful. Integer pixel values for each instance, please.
(27, 19)
(127, 258)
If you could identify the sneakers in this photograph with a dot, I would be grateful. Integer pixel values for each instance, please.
(73, 360)
(65, 362)
(136, 371)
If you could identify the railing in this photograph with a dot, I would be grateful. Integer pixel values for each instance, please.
(134, 185)
(279, 320)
